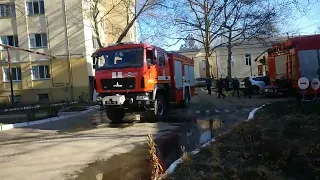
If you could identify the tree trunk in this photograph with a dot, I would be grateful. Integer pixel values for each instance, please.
(96, 31)
(126, 30)
(208, 74)
(207, 42)
(229, 55)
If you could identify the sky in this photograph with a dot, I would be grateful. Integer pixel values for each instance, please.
(309, 23)
(303, 23)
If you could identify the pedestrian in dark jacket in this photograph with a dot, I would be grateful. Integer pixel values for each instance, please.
(248, 87)
(226, 84)
(220, 86)
(209, 84)
(236, 86)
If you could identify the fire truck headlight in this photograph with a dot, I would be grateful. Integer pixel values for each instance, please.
(99, 99)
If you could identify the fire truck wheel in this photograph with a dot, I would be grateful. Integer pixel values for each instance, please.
(115, 115)
(160, 108)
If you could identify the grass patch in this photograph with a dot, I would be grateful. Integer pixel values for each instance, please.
(282, 142)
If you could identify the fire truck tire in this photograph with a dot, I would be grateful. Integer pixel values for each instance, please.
(160, 108)
(115, 115)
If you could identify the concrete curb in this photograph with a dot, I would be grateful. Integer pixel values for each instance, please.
(178, 161)
(62, 117)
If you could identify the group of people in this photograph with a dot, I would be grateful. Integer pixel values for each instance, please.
(223, 83)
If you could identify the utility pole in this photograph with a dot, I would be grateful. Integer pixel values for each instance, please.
(66, 34)
(250, 66)
(10, 78)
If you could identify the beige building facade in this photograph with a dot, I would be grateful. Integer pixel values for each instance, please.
(200, 67)
(242, 60)
(243, 57)
(56, 27)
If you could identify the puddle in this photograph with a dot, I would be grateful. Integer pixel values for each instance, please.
(134, 165)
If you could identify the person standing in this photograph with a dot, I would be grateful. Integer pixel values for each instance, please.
(209, 84)
(248, 87)
(220, 86)
(226, 84)
(236, 86)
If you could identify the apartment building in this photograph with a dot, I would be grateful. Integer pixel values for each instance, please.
(56, 27)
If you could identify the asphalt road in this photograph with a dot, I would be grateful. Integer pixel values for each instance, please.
(61, 149)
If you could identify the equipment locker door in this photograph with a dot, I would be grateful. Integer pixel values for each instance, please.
(191, 74)
(309, 63)
(178, 74)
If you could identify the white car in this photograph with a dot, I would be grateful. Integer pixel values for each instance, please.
(258, 82)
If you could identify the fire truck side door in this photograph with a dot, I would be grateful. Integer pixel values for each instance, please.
(161, 68)
(152, 70)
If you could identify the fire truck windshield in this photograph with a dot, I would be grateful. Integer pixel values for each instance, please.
(119, 59)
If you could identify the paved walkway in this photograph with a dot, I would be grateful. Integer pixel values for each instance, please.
(48, 155)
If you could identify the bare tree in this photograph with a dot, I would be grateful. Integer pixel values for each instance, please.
(135, 9)
(189, 43)
(245, 20)
(202, 18)
(98, 12)
(118, 16)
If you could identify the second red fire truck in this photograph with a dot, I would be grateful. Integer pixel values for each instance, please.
(294, 58)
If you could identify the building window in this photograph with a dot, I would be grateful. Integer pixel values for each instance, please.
(40, 72)
(43, 97)
(203, 64)
(16, 74)
(16, 99)
(38, 40)
(247, 59)
(6, 10)
(35, 7)
(9, 40)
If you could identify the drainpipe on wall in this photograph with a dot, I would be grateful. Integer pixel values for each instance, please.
(67, 47)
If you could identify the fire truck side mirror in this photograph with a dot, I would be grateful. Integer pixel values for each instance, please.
(93, 61)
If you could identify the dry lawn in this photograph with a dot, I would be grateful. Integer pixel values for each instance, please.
(282, 142)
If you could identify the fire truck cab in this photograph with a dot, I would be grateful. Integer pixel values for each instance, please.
(133, 78)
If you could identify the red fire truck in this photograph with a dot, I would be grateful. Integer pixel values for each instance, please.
(288, 61)
(134, 78)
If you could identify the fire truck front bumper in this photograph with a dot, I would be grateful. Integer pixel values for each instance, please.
(116, 100)
(126, 100)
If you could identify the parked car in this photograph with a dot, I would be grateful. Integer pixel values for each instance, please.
(258, 83)
(200, 82)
